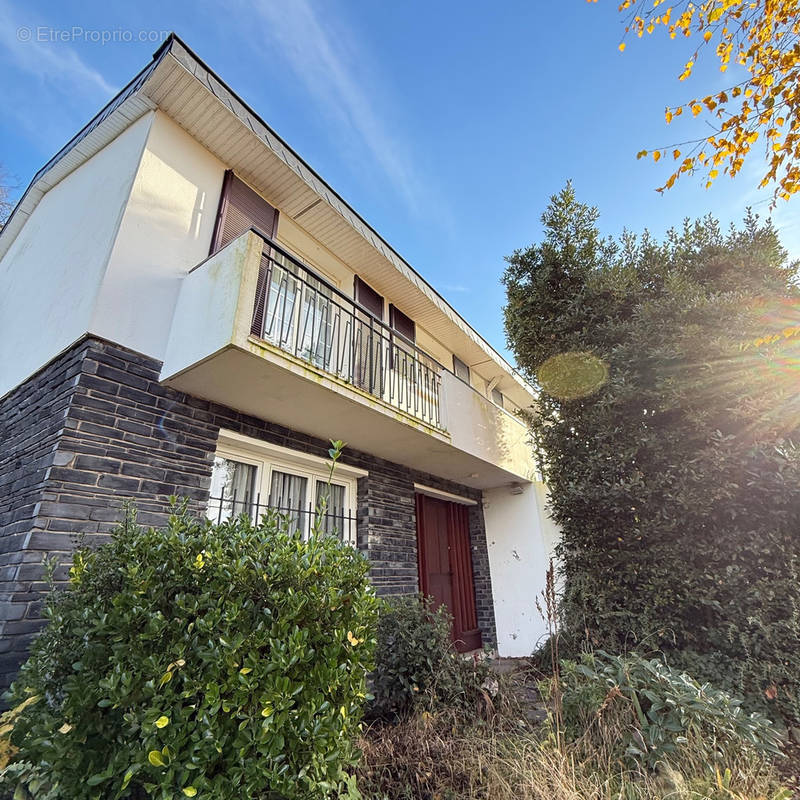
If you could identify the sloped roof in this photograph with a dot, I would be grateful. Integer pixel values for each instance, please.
(181, 85)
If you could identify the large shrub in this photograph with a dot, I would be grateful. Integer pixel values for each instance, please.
(416, 665)
(658, 713)
(666, 429)
(213, 660)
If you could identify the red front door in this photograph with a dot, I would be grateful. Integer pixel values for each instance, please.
(445, 565)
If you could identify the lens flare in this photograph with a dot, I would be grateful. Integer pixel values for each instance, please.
(570, 376)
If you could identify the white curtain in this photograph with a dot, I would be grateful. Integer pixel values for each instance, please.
(232, 489)
(287, 494)
(316, 324)
(332, 523)
(279, 318)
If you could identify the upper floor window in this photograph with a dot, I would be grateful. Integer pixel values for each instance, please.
(241, 208)
(497, 397)
(460, 369)
(402, 324)
(251, 477)
(366, 296)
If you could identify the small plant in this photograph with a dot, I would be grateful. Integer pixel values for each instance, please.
(657, 712)
(215, 661)
(549, 612)
(416, 665)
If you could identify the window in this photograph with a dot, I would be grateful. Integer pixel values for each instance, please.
(241, 208)
(300, 313)
(317, 323)
(251, 477)
(282, 292)
(369, 352)
(366, 296)
(497, 397)
(233, 486)
(402, 324)
(460, 369)
(287, 494)
(402, 356)
(330, 499)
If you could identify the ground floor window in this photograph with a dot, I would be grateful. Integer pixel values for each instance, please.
(250, 476)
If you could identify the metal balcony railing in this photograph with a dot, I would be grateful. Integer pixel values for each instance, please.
(304, 315)
(304, 520)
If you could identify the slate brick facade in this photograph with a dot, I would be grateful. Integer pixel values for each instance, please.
(32, 420)
(95, 428)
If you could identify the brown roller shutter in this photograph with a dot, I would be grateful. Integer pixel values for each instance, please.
(402, 324)
(241, 208)
(369, 352)
(369, 298)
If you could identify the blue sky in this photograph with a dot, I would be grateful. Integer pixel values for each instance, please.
(446, 124)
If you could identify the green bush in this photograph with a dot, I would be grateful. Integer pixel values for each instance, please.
(222, 661)
(659, 711)
(416, 664)
(668, 439)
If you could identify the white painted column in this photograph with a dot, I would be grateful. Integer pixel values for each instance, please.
(520, 538)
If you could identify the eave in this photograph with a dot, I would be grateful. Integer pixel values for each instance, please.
(179, 84)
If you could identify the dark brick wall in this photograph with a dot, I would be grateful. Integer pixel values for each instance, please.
(118, 435)
(32, 419)
(484, 602)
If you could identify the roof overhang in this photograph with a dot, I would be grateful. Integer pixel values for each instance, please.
(179, 84)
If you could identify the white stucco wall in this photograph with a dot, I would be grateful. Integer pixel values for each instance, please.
(478, 426)
(51, 274)
(520, 538)
(301, 243)
(215, 304)
(165, 231)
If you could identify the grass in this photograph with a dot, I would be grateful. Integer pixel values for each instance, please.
(444, 756)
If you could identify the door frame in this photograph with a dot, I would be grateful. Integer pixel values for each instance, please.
(465, 632)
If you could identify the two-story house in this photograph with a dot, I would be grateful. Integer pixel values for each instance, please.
(187, 308)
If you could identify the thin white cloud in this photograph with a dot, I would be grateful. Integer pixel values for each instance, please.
(42, 75)
(334, 70)
(50, 62)
(743, 192)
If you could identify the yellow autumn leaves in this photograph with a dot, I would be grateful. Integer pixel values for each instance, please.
(161, 758)
(7, 720)
(687, 70)
(760, 36)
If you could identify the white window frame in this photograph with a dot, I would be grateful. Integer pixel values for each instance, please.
(268, 458)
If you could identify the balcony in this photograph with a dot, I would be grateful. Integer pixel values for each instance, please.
(257, 330)
(308, 318)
